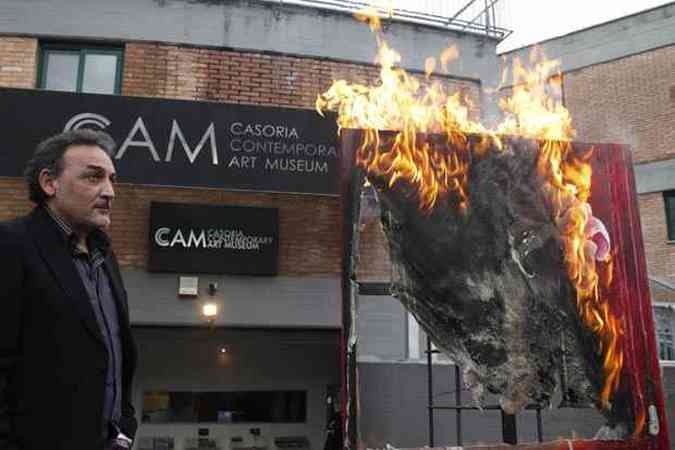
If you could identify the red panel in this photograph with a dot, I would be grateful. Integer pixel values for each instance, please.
(614, 201)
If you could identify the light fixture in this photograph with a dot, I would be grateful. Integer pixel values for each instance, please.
(210, 310)
(223, 349)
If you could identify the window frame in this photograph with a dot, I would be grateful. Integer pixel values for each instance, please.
(82, 51)
(670, 225)
(666, 307)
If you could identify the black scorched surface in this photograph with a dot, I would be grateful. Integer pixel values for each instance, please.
(489, 285)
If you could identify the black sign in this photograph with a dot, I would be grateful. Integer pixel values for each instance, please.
(213, 239)
(181, 143)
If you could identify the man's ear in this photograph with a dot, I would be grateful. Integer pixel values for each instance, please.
(48, 182)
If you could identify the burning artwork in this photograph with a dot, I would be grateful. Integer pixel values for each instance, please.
(495, 247)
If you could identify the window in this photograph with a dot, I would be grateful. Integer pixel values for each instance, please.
(669, 200)
(663, 316)
(225, 407)
(95, 70)
(389, 333)
(382, 329)
(414, 338)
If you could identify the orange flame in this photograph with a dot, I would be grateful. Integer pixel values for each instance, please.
(401, 102)
(404, 104)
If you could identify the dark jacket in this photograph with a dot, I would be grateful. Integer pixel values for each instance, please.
(53, 358)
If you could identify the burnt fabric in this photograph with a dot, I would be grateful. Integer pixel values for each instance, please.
(489, 285)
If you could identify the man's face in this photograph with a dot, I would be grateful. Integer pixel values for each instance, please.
(83, 193)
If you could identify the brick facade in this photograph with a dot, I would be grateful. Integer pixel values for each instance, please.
(189, 73)
(632, 101)
(18, 62)
(310, 244)
(13, 198)
(660, 253)
(308, 241)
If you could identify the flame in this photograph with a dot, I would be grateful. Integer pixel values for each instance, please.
(533, 111)
(401, 103)
(410, 108)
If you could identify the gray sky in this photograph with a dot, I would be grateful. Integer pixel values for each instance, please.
(536, 20)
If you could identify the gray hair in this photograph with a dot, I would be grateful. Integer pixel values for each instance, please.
(49, 155)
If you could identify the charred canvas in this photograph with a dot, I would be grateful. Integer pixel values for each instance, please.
(484, 273)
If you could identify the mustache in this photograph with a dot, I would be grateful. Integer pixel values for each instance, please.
(105, 204)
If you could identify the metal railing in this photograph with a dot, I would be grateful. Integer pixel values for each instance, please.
(508, 421)
(470, 16)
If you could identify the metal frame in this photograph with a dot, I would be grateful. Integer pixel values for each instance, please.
(483, 23)
(509, 428)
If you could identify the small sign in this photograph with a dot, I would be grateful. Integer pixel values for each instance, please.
(188, 286)
(213, 239)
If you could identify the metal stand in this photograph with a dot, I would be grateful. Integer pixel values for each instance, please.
(509, 425)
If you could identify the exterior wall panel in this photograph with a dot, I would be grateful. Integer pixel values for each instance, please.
(18, 62)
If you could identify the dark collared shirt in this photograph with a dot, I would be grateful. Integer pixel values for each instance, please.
(97, 284)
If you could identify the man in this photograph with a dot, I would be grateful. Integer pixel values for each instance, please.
(67, 356)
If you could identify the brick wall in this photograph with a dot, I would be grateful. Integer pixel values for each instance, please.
(632, 101)
(235, 77)
(308, 240)
(13, 198)
(660, 253)
(225, 76)
(18, 69)
(18, 62)
(374, 263)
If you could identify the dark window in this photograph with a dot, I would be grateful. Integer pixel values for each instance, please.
(664, 333)
(225, 407)
(669, 200)
(95, 70)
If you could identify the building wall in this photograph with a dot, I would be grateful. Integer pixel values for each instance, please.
(18, 62)
(631, 35)
(309, 242)
(189, 359)
(256, 26)
(374, 264)
(630, 100)
(660, 252)
(193, 73)
(388, 389)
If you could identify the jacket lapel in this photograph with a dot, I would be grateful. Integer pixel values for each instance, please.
(55, 253)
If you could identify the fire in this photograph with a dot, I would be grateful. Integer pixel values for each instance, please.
(400, 102)
(533, 112)
(411, 108)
